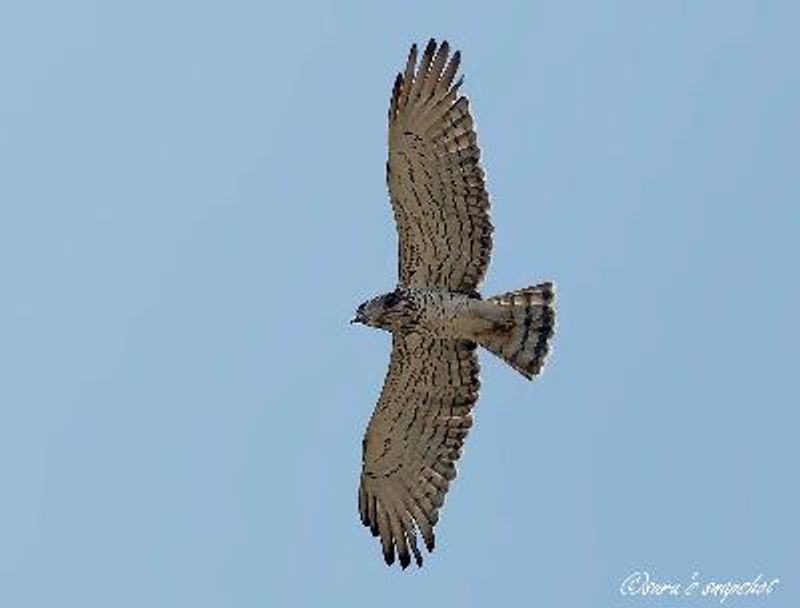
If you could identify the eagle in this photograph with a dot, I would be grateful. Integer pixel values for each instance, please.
(436, 315)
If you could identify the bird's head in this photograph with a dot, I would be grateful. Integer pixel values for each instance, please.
(384, 312)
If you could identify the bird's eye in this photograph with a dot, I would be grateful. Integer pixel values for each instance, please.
(391, 300)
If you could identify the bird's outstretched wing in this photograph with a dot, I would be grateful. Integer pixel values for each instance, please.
(414, 439)
(436, 184)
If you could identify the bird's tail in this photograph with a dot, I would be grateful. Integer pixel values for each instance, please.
(521, 325)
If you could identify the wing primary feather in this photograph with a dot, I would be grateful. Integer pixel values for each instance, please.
(386, 536)
(450, 71)
(362, 505)
(427, 57)
(408, 77)
(432, 544)
(373, 515)
(399, 536)
(435, 71)
(415, 551)
(424, 526)
(431, 95)
(398, 83)
(403, 524)
(410, 531)
(422, 70)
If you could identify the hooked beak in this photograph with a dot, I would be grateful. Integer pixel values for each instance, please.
(358, 318)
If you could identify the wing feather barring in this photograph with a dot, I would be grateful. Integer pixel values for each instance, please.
(436, 314)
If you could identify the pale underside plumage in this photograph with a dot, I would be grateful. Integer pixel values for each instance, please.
(441, 208)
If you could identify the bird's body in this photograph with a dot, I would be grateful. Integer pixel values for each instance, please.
(436, 314)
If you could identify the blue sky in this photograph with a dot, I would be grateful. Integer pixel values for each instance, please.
(192, 204)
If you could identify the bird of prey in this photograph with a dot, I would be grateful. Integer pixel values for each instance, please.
(436, 316)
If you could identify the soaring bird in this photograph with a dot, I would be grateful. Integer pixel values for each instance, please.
(436, 316)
